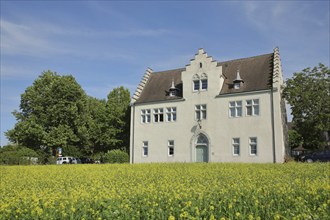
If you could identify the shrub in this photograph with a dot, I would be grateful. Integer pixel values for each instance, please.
(17, 155)
(116, 156)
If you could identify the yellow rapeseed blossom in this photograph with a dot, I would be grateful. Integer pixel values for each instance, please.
(166, 191)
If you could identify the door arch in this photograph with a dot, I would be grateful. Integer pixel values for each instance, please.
(201, 148)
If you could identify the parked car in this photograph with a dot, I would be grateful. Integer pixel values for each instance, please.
(321, 156)
(86, 160)
(66, 160)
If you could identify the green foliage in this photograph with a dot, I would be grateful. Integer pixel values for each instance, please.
(72, 151)
(96, 123)
(98, 156)
(118, 119)
(56, 112)
(295, 139)
(308, 93)
(17, 155)
(53, 113)
(110, 121)
(116, 156)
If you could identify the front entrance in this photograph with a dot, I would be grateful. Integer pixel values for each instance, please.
(202, 152)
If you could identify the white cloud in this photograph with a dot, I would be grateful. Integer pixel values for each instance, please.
(300, 29)
(40, 39)
(21, 39)
(18, 72)
(284, 17)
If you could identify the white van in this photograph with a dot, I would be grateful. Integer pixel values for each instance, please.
(66, 160)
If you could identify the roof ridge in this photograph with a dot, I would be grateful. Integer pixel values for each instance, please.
(170, 70)
(218, 62)
(244, 58)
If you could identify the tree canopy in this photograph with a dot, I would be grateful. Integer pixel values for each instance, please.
(308, 93)
(56, 112)
(111, 121)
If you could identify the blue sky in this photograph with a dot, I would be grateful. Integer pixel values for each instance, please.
(106, 44)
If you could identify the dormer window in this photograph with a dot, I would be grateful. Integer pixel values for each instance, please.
(173, 90)
(238, 81)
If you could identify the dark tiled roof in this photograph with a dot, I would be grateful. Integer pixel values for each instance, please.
(157, 87)
(255, 71)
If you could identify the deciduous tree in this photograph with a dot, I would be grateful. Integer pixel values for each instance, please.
(308, 93)
(52, 114)
(118, 113)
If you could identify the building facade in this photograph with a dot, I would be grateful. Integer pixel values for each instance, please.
(211, 111)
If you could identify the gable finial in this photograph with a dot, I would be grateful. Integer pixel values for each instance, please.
(172, 86)
(173, 90)
(237, 82)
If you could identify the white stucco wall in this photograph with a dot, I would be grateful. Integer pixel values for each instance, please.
(218, 127)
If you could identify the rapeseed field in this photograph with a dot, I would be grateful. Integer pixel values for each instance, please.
(166, 191)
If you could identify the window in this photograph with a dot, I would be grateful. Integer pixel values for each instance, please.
(196, 85)
(145, 149)
(253, 145)
(204, 84)
(170, 145)
(173, 93)
(145, 115)
(200, 112)
(237, 85)
(200, 82)
(158, 115)
(171, 114)
(252, 107)
(235, 109)
(235, 144)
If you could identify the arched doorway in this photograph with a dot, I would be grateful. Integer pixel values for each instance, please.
(202, 148)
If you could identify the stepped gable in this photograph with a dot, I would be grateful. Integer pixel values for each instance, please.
(256, 72)
(141, 86)
(159, 83)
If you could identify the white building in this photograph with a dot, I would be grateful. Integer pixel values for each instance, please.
(211, 112)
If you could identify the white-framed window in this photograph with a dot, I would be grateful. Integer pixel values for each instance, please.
(236, 146)
(204, 84)
(200, 112)
(145, 148)
(235, 109)
(200, 83)
(170, 147)
(171, 114)
(158, 115)
(253, 143)
(145, 115)
(196, 85)
(252, 107)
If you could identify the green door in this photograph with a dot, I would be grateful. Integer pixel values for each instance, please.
(201, 153)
